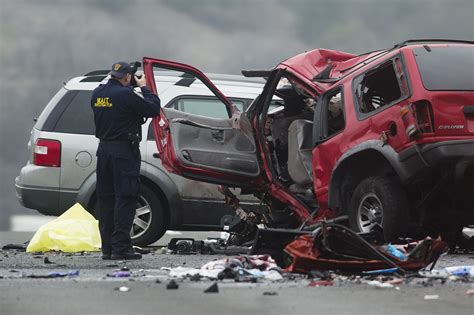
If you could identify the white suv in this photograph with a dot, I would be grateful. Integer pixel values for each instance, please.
(61, 168)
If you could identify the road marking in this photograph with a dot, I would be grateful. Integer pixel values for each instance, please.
(28, 223)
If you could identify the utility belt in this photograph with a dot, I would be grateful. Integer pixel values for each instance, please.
(133, 140)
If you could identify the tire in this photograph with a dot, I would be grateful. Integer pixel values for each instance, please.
(152, 226)
(381, 200)
(153, 216)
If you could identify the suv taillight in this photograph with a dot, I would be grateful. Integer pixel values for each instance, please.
(409, 123)
(423, 115)
(47, 153)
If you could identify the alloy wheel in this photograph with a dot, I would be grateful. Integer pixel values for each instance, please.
(143, 217)
(369, 212)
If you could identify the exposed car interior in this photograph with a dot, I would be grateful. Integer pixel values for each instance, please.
(288, 131)
(377, 88)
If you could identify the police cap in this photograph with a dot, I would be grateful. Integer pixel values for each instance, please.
(119, 69)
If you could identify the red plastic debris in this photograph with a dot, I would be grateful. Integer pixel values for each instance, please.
(338, 248)
(396, 281)
(321, 283)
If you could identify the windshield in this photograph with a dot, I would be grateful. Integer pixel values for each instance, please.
(446, 68)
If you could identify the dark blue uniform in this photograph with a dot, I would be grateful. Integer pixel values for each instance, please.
(118, 114)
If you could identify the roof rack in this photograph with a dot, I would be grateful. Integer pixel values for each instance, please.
(432, 40)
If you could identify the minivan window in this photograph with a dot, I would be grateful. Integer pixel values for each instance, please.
(77, 118)
(446, 68)
(210, 107)
(206, 107)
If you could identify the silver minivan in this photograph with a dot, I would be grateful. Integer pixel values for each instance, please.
(61, 168)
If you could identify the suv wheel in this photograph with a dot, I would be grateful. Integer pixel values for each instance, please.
(379, 200)
(148, 224)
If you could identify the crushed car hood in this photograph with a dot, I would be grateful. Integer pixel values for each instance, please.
(310, 64)
(324, 66)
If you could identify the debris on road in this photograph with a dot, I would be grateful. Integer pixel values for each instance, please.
(381, 271)
(181, 272)
(122, 289)
(239, 268)
(329, 255)
(47, 261)
(379, 284)
(321, 283)
(396, 281)
(72, 273)
(461, 271)
(431, 297)
(141, 250)
(18, 247)
(190, 246)
(336, 247)
(119, 274)
(172, 285)
(212, 289)
(74, 231)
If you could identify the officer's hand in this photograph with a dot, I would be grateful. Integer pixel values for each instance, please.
(141, 81)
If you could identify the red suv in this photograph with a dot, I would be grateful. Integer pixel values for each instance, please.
(384, 137)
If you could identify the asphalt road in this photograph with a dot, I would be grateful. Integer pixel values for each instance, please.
(92, 292)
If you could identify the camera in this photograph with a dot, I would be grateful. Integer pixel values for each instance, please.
(135, 65)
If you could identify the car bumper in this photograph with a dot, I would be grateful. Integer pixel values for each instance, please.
(46, 201)
(458, 154)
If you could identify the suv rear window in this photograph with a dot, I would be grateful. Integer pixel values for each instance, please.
(78, 117)
(53, 110)
(68, 112)
(446, 68)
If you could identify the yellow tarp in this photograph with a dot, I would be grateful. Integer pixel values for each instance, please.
(74, 231)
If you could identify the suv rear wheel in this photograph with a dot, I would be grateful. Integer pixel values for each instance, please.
(379, 200)
(148, 224)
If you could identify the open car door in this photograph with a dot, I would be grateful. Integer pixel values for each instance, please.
(215, 150)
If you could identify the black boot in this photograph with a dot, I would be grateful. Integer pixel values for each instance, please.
(128, 255)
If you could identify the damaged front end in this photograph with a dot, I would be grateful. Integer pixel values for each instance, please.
(326, 245)
(244, 225)
(335, 247)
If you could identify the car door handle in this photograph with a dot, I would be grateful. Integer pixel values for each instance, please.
(156, 155)
(217, 135)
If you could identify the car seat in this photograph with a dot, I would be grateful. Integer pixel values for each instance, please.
(300, 134)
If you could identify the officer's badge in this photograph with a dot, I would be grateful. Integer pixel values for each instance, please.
(117, 66)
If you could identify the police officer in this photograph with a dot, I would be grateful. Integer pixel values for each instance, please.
(119, 113)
